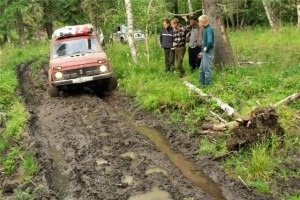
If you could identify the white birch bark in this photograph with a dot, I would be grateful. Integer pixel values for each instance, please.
(228, 109)
(190, 7)
(298, 10)
(270, 15)
(147, 30)
(131, 42)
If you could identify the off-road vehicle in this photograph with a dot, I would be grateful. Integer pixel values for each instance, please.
(120, 34)
(76, 57)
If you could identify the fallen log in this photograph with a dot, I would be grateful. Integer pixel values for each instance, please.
(228, 109)
(212, 133)
(253, 63)
(220, 127)
(287, 100)
(218, 117)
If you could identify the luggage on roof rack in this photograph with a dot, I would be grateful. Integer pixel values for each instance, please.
(70, 31)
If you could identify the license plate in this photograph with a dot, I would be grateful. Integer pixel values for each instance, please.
(82, 79)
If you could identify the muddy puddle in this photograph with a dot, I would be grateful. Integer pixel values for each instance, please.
(59, 180)
(187, 168)
(154, 194)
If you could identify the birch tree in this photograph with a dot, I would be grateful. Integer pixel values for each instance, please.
(131, 41)
(271, 17)
(223, 54)
(298, 9)
(190, 7)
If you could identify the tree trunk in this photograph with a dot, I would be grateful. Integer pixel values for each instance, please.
(298, 8)
(272, 20)
(147, 30)
(232, 21)
(190, 7)
(130, 31)
(48, 22)
(176, 6)
(49, 29)
(7, 36)
(9, 40)
(223, 54)
(20, 27)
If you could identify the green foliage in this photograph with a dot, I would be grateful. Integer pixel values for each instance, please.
(206, 147)
(17, 121)
(261, 185)
(13, 115)
(29, 165)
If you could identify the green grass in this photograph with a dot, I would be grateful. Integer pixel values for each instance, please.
(13, 114)
(243, 87)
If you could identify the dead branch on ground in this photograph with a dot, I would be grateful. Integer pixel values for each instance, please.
(287, 100)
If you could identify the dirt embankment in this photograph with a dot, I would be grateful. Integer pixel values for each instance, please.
(87, 150)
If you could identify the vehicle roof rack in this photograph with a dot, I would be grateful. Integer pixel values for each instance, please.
(72, 31)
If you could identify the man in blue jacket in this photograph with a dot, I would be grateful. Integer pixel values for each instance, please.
(207, 51)
(166, 42)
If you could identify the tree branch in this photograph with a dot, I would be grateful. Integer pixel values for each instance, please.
(169, 13)
(287, 100)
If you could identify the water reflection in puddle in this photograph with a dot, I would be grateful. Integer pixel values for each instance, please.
(187, 168)
(154, 194)
(156, 170)
(101, 161)
(59, 181)
(129, 154)
(127, 179)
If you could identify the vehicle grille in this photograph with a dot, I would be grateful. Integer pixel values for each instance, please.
(75, 73)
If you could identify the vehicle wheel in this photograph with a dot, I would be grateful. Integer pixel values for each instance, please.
(53, 91)
(110, 85)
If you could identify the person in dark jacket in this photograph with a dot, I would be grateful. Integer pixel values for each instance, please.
(166, 42)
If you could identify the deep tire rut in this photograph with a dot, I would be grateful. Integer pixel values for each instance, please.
(85, 150)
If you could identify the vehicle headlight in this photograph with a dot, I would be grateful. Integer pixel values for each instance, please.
(103, 68)
(58, 75)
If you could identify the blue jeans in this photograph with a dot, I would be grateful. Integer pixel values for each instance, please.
(205, 67)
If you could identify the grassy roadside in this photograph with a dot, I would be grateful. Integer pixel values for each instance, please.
(17, 164)
(267, 169)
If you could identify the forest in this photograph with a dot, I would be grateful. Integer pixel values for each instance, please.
(157, 136)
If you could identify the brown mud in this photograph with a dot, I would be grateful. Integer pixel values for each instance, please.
(104, 148)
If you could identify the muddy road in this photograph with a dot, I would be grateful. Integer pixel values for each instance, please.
(91, 147)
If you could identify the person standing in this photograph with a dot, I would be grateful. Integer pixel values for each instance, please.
(195, 39)
(179, 36)
(207, 51)
(166, 42)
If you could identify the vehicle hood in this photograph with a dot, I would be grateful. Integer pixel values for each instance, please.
(78, 60)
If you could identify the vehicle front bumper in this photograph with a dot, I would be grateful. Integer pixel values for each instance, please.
(82, 79)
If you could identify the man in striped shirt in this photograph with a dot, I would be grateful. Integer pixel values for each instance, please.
(179, 37)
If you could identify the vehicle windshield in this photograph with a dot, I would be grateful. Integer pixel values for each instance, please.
(70, 47)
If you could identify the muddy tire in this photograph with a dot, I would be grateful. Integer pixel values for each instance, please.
(110, 85)
(53, 91)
